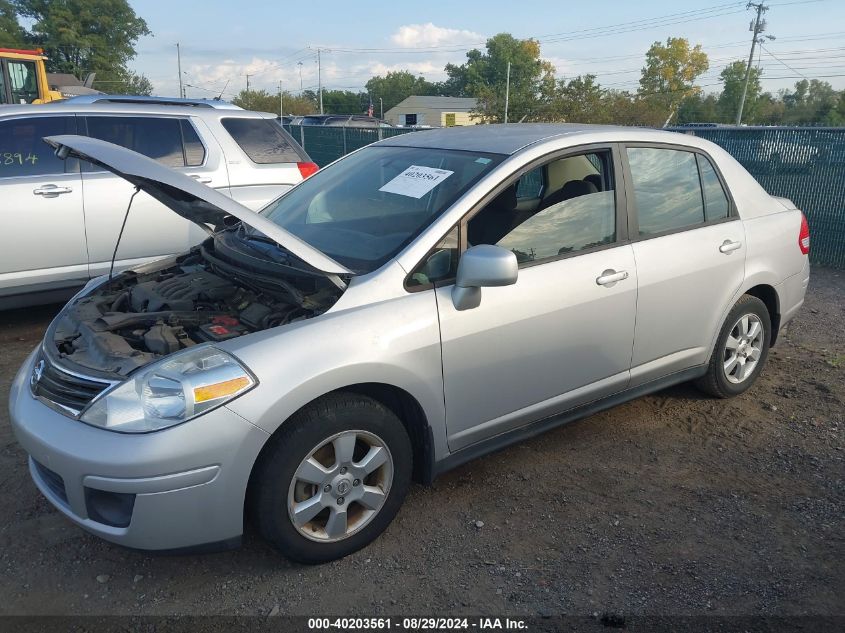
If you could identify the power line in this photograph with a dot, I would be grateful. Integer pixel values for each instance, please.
(768, 52)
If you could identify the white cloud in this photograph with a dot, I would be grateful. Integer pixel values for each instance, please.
(424, 35)
(426, 68)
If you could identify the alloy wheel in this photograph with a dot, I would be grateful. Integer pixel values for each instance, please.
(340, 486)
(743, 348)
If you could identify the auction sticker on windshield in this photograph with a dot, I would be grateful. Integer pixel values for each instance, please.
(416, 181)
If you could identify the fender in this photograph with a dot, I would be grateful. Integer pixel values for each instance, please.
(396, 343)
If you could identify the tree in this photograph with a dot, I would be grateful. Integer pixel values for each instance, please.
(770, 109)
(670, 73)
(82, 36)
(263, 101)
(813, 101)
(483, 76)
(11, 32)
(581, 100)
(345, 102)
(137, 85)
(700, 109)
(397, 86)
(733, 80)
(836, 116)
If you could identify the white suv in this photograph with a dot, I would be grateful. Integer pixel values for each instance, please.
(60, 219)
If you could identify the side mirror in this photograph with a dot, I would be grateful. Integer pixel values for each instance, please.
(482, 266)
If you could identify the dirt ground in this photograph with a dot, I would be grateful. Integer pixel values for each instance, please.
(670, 504)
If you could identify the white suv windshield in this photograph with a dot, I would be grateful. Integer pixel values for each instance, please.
(364, 209)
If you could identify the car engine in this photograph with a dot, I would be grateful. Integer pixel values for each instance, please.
(162, 308)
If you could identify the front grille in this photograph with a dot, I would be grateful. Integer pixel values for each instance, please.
(60, 387)
(52, 480)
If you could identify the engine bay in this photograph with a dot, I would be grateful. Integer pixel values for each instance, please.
(214, 293)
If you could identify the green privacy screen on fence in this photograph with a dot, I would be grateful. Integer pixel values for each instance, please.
(327, 143)
(806, 165)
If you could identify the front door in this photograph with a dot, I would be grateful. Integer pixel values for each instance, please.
(42, 242)
(562, 335)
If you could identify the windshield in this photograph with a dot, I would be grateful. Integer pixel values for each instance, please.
(362, 210)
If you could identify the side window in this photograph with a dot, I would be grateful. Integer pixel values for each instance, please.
(442, 262)
(666, 189)
(23, 81)
(157, 138)
(716, 204)
(575, 211)
(3, 98)
(194, 149)
(22, 150)
(530, 185)
(262, 140)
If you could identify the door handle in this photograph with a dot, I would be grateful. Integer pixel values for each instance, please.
(51, 191)
(610, 277)
(728, 246)
(203, 179)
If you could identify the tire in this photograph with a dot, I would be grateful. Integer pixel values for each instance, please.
(722, 382)
(285, 487)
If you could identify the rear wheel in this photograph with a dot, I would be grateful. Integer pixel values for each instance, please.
(741, 350)
(332, 479)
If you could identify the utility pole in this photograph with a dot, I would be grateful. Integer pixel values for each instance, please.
(300, 76)
(246, 94)
(319, 81)
(507, 91)
(381, 107)
(281, 100)
(758, 26)
(179, 65)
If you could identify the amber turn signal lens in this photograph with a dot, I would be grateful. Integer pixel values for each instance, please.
(220, 389)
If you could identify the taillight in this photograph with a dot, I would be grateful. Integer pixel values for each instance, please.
(307, 169)
(804, 236)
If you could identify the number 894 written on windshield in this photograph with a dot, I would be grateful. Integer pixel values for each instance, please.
(16, 158)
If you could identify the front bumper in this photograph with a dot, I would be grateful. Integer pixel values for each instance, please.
(185, 486)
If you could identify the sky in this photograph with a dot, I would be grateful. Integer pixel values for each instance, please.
(222, 41)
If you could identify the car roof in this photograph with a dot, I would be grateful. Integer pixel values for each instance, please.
(217, 104)
(510, 138)
(71, 106)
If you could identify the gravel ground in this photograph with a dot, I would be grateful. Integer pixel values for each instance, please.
(670, 504)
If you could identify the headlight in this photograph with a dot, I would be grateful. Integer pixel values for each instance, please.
(170, 392)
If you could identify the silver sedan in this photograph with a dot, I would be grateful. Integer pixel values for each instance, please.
(418, 303)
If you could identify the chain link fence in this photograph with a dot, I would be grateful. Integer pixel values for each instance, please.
(326, 143)
(806, 165)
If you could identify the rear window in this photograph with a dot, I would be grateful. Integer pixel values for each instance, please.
(171, 142)
(264, 141)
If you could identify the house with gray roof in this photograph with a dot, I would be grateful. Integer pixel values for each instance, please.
(417, 111)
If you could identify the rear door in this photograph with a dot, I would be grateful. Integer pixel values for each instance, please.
(690, 252)
(262, 159)
(152, 230)
(42, 242)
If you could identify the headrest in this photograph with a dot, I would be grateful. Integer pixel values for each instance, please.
(575, 188)
(596, 180)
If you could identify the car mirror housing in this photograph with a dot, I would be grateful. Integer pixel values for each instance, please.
(482, 266)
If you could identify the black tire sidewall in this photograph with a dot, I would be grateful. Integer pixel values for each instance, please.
(748, 305)
(304, 432)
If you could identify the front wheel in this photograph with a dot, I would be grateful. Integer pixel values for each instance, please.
(741, 350)
(332, 478)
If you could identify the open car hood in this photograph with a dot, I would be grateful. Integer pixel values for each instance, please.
(185, 196)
